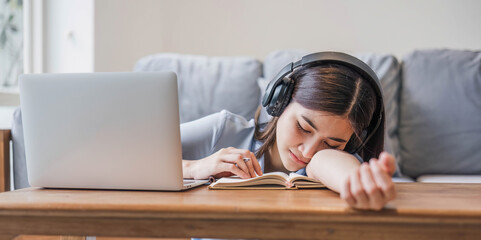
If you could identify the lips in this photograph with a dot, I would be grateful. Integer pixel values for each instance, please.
(296, 159)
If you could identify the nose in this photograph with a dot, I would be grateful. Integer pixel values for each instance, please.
(309, 148)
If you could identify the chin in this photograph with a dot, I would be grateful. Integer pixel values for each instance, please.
(291, 166)
(295, 169)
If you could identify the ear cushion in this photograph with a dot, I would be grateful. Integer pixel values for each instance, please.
(286, 97)
(273, 104)
(281, 97)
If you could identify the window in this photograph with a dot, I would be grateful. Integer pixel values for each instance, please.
(11, 41)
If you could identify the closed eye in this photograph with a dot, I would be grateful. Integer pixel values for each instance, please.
(305, 131)
(333, 147)
(301, 128)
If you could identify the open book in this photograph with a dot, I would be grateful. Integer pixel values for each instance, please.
(273, 180)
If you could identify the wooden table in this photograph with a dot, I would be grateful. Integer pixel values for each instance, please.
(421, 211)
(5, 137)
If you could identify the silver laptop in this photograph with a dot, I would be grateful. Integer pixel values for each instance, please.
(103, 131)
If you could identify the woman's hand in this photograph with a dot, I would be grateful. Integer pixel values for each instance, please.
(224, 163)
(370, 186)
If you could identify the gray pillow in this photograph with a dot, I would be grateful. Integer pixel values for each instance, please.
(440, 117)
(210, 84)
(20, 178)
(276, 60)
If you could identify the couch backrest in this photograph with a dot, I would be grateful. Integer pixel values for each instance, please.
(210, 84)
(440, 114)
(433, 114)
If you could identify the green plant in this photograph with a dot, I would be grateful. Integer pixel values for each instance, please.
(8, 25)
(11, 41)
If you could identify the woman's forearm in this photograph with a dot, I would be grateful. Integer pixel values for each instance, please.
(332, 167)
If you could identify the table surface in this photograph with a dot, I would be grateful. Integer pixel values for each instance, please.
(420, 209)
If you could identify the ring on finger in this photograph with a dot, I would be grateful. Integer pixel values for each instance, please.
(245, 160)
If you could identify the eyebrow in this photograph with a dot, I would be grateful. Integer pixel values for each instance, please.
(313, 126)
(309, 121)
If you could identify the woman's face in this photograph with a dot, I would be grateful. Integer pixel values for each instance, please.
(301, 132)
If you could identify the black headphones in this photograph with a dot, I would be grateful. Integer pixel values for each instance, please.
(279, 90)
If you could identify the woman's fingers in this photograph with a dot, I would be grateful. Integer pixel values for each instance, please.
(387, 162)
(253, 165)
(226, 162)
(373, 192)
(370, 186)
(256, 164)
(383, 180)
(243, 158)
(358, 191)
(228, 167)
(250, 167)
(237, 160)
(223, 174)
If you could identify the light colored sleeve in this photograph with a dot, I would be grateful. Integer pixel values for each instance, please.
(200, 136)
(205, 136)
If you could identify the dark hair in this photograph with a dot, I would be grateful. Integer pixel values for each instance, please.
(336, 89)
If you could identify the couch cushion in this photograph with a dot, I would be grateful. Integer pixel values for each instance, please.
(276, 60)
(387, 69)
(440, 117)
(450, 178)
(20, 178)
(210, 84)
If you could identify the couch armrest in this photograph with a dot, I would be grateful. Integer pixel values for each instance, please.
(5, 138)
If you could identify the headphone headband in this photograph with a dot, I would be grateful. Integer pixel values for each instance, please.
(275, 99)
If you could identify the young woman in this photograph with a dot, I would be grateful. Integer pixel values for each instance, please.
(327, 123)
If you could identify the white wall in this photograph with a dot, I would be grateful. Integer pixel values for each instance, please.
(125, 30)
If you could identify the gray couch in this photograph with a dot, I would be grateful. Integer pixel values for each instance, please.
(432, 99)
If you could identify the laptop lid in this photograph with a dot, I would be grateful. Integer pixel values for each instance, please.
(102, 130)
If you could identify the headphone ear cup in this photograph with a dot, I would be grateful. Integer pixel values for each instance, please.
(280, 98)
(286, 97)
(271, 107)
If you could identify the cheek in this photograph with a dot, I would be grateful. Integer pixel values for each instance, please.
(287, 136)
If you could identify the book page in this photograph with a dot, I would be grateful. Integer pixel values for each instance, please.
(274, 180)
(280, 174)
(265, 175)
(298, 177)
